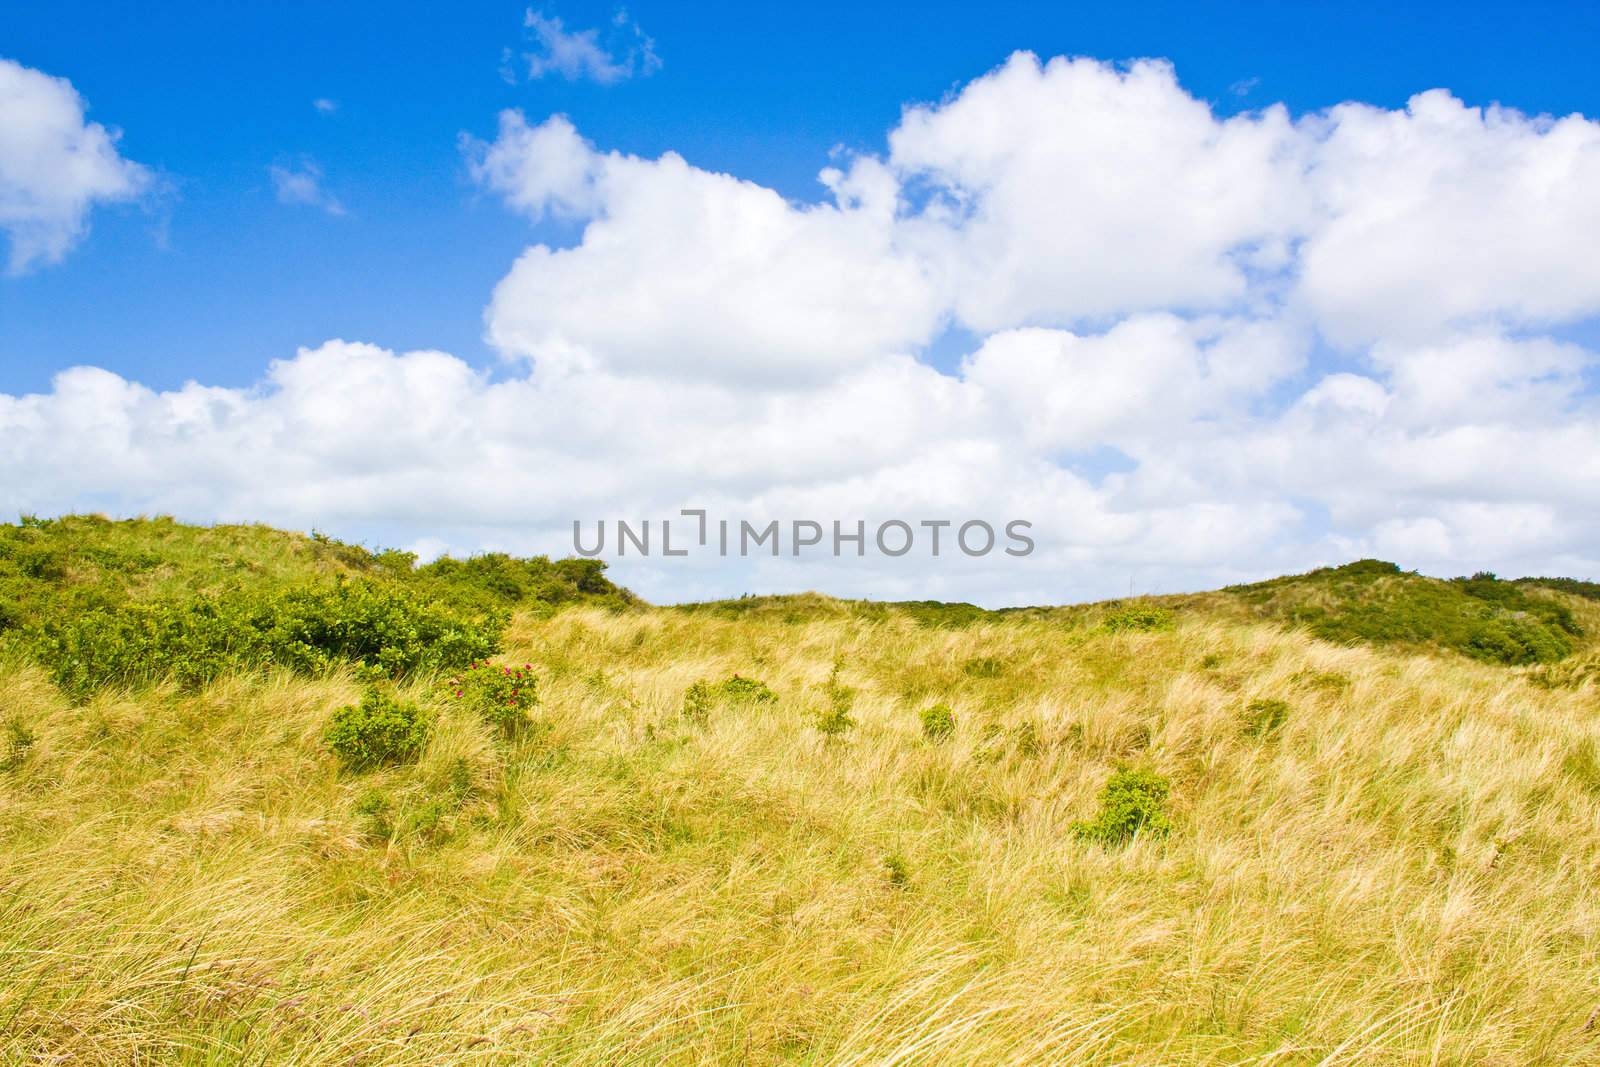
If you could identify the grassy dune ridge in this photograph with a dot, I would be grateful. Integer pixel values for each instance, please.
(1399, 867)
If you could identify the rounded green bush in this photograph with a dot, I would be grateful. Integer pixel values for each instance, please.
(380, 730)
(1132, 802)
(739, 689)
(503, 696)
(938, 722)
(1138, 618)
(697, 704)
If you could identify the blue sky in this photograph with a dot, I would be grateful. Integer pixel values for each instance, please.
(214, 278)
(1316, 283)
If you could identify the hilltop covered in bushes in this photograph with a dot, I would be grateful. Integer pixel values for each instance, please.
(98, 601)
(1527, 621)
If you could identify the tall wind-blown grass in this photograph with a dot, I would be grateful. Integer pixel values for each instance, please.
(1398, 864)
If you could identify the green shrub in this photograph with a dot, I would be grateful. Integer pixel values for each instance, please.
(1514, 640)
(306, 629)
(495, 581)
(701, 697)
(380, 730)
(100, 602)
(697, 704)
(835, 719)
(1263, 717)
(1137, 618)
(939, 615)
(1132, 802)
(502, 696)
(938, 723)
(738, 690)
(384, 625)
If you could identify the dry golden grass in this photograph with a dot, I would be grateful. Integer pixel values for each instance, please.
(1405, 872)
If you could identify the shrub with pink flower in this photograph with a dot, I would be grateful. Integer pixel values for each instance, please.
(504, 695)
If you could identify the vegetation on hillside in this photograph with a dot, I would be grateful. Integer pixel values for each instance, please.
(99, 602)
(1375, 602)
(1522, 622)
(271, 798)
(1570, 586)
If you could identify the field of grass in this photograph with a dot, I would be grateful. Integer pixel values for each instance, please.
(1379, 852)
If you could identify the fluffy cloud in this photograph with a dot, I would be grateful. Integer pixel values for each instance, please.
(1133, 386)
(1074, 190)
(54, 167)
(1442, 215)
(689, 274)
(1204, 349)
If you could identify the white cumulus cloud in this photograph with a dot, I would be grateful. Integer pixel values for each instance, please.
(55, 166)
(721, 278)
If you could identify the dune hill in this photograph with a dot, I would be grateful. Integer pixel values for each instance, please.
(1326, 819)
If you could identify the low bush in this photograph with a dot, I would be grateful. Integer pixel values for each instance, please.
(1133, 802)
(380, 730)
(383, 625)
(1137, 618)
(701, 697)
(939, 615)
(697, 702)
(496, 581)
(739, 690)
(835, 719)
(99, 601)
(306, 629)
(502, 696)
(938, 723)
